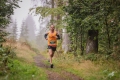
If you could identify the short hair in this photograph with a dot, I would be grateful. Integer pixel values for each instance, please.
(52, 25)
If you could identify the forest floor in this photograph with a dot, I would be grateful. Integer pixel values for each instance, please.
(66, 66)
(53, 73)
(25, 53)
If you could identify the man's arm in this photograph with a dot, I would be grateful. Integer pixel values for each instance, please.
(45, 36)
(58, 36)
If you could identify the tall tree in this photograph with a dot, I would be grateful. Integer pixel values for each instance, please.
(24, 32)
(6, 10)
(92, 41)
(14, 33)
(87, 17)
(31, 28)
(40, 40)
(52, 15)
(9, 29)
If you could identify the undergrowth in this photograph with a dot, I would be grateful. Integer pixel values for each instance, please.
(14, 68)
(22, 71)
(90, 67)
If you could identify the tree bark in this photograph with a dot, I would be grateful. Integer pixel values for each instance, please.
(65, 41)
(52, 16)
(92, 41)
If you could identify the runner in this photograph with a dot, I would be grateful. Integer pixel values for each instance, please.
(52, 36)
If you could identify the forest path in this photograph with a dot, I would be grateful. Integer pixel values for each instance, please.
(54, 73)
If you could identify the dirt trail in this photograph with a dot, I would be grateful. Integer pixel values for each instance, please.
(52, 75)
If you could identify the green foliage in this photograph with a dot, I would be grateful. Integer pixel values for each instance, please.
(56, 13)
(23, 71)
(92, 57)
(12, 69)
(101, 15)
(110, 75)
(83, 15)
(6, 10)
(5, 54)
(101, 57)
(91, 67)
(46, 11)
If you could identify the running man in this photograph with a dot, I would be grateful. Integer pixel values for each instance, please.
(52, 36)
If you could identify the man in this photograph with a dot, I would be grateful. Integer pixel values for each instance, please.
(52, 37)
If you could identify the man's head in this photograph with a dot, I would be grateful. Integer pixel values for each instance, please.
(52, 27)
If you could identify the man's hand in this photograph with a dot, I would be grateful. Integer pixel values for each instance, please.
(45, 36)
(58, 37)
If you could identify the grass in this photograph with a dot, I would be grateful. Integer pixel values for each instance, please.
(22, 71)
(89, 70)
(101, 69)
(23, 51)
(22, 66)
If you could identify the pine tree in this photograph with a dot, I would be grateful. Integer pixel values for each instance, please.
(6, 10)
(24, 32)
(40, 40)
(86, 15)
(31, 28)
(14, 31)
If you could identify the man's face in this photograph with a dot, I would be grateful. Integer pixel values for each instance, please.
(52, 27)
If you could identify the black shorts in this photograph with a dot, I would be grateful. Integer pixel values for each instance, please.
(53, 48)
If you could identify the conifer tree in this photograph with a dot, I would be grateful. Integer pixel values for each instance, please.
(14, 31)
(24, 32)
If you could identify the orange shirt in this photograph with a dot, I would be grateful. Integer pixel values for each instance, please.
(52, 38)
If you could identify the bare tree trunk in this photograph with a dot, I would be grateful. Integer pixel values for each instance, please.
(65, 35)
(92, 41)
(65, 41)
(52, 16)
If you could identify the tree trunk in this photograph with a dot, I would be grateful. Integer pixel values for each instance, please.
(65, 41)
(92, 41)
(52, 16)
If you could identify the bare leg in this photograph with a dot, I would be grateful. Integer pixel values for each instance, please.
(51, 54)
